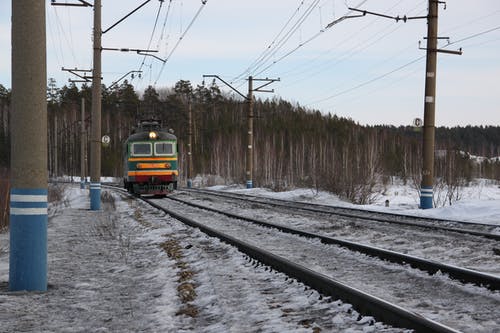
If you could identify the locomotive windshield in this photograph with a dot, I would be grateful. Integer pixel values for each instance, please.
(164, 148)
(141, 149)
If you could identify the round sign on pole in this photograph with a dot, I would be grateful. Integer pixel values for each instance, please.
(105, 140)
(417, 122)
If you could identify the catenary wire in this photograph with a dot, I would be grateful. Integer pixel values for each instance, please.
(149, 65)
(282, 42)
(397, 69)
(152, 34)
(203, 3)
(57, 46)
(61, 32)
(362, 45)
(261, 56)
(373, 67)
(366, 82)
(297, 47)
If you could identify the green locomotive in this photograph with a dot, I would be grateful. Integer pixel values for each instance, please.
(150, 160)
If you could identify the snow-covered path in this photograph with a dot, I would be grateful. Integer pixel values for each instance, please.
(130, 269)
(104, 275)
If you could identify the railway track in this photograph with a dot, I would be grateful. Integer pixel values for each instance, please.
(323, 266)
(363, 302)
(428, 298)
(475, 229)
(455, 249)
(465, 275)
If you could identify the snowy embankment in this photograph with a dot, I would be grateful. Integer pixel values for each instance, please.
(479, 203)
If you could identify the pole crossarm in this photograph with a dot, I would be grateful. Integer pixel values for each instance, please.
(123, 18)
(268, 82)
(227, 84)
(404, 19)
(458, 52)
(81, 4)
(75, 71)
(126, 49)
(151, 55)
(258, 89)
(123, 76)
(138, 51)
(342, 19)
(397, 18)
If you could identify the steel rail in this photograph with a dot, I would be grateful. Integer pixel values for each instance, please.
(465, 275)
(317, 209)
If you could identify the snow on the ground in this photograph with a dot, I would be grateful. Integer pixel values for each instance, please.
(479, 203)
(128, 268)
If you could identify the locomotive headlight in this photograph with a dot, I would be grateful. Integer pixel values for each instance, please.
(153, 135)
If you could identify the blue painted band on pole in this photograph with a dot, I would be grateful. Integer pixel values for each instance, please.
(28, 240)
(249, 184)
(426, 194)
(95, 196)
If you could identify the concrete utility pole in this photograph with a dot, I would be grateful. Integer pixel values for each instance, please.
(95, 141)
(251, 89)
(82, 146)
(426, 192)
(426, 189)
(190, 147)
(28, 195)
(249, 171)
(56, 138)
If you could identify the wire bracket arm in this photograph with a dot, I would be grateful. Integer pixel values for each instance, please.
(397, 18)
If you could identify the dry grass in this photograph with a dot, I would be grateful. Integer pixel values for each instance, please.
(108, 199)
(4, 199)
(55, 192)
(186, 290)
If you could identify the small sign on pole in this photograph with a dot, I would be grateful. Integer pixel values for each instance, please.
(105, 140)
(417, 122)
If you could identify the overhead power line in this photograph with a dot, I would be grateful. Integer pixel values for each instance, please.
(164, 23)
(152, 33)
(282, 42)
(257, 69)
(260, 57)
(203, 3)
(377, 78)
(313, 67)
(62, 31)
(57, 46)
(474, 35)
(367, 82)
(158, 43)
(275, 44)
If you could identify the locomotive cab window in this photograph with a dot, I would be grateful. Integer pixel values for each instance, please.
(164, 148)
(141, 149)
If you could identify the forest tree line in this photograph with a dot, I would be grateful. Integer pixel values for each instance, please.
(293, 146)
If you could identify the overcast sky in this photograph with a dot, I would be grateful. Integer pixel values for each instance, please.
(369, 69)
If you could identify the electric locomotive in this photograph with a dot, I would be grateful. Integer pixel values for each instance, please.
(150, 160)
